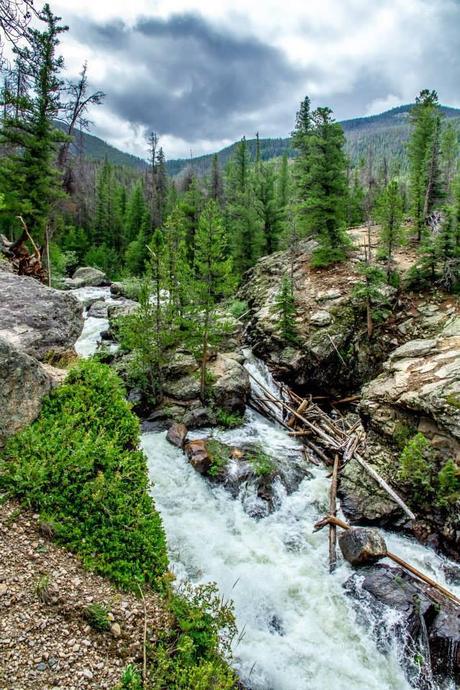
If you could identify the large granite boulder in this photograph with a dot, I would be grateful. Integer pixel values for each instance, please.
(86, 276)
(231, 387)
(23, 383)
(420, 388)
(40, 321)
(362, 545)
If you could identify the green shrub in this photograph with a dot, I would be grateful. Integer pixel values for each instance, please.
(448, 483)
(219, 454)
(327, 256)
(192, 653)
(415, 466)
(262, 464)
(229, 420)
(97, 616)
(80, 467)
(130, 680)
(238, 308)
(402, 434)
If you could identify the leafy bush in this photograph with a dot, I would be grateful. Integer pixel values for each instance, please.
(262, 464)
(448, 483)
(97, 616)
(79, 465)
(130, 680)
(238, 308)
(229, 420)
(327, 256)
(402, 434)
(219, 454)
(200, 639)
(415, 466)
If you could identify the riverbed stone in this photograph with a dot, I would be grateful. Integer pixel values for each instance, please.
(177, 433)
(87, 276)
(199, 417)
(321, 318)
(362, 545)
(198, 456)
(98, 310)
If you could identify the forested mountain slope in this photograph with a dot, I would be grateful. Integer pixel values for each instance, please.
(387, 132)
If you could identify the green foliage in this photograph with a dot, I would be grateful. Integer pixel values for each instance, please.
(389, 212)
(238, 307)
(369, 291)
(80, 467)
(454, 400)
(262, 464)
(285, 309)
(131, 679)
(402, 434)
(219, 454)
(228, 420)
(42, 588)
(448, 483)
(326, 256)
(192, 652)
(97, 616)
(415, 466)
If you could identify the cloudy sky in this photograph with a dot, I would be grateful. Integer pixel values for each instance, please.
(203, 74)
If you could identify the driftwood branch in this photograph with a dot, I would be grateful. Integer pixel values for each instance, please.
(333, 511)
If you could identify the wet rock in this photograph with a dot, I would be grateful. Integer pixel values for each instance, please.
(177, 433)
(23, 383)
(231, 388)
(199, 417)
(39, 320)
(363, 501)
(123, 307)
(362, 545)
(444, 637)
(198, 456)
(98, 310)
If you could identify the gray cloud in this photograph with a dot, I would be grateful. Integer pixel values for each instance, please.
(183, 77)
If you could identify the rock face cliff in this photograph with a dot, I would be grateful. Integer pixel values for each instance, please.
(37, 325)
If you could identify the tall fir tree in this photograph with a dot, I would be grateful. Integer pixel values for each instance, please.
(390, 215)
(450, 149)
(216, 188)
(29, 176)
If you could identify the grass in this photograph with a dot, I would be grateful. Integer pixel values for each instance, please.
(262, 464)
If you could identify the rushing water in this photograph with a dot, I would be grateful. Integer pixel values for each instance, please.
(299, 630)
(90, 337)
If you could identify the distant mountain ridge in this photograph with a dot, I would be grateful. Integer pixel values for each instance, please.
(387, 131)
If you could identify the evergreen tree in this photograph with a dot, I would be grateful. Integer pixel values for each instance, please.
(243, 213)
(104, 214)
(286, 311)
(191, 206)
(178, 270)
(390, 214)
(282, 189)
(161, 185)
(29, 175)
(423, 152)
(323, 208)
(449, 151)
(216, 189)
(448, 251)
(213, 269)
(269, 211)
(136, 210)
(136, 253)
(300, 138)
(369, 291)
(355, 199)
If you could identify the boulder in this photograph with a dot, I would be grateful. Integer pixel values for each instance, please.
(86, 276)
(321, 318)
(123, 307)
(198, 456)
(185, 388)
(36, 319)
(23, 383)
(177, 433)
(231, 388)
(422, 618)
(180, 364)
(199, 417)
(362, 545)
(98, 310)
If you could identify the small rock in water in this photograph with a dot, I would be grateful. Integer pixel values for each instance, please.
(177, 434)
(197, 453)
(362, 545)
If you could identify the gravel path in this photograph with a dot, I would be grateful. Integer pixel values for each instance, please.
(46, 642)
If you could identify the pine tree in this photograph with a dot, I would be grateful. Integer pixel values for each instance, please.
(286, 311)
(355, 199)
(136, 210)
(390, 215)
(29, 175)
(104, 213)
(191, 206)
(213, 269)
(423, 151)
(369, 291)
(216, 189)
(300, 138)
(178, 270)
(449, 152)
(161, 185)
(448, 251)
(269, 211)
(323, 209)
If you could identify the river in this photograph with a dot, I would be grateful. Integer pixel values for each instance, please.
(299, 631)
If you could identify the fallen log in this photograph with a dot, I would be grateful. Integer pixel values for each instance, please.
(333, 511)
(385, 486)
(332, 519)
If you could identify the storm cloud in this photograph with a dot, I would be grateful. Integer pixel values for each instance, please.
(203, 74)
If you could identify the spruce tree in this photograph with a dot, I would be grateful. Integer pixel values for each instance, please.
(213, 271)
(104, 213)
(285, 310)
(449, 152)
(448, 251)
(270, 213)
(390, 215)
(136, 210)
(178, 270)
(29, 176)
(191, 206)
(423, 152)
(216, 189)
(161, 185)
